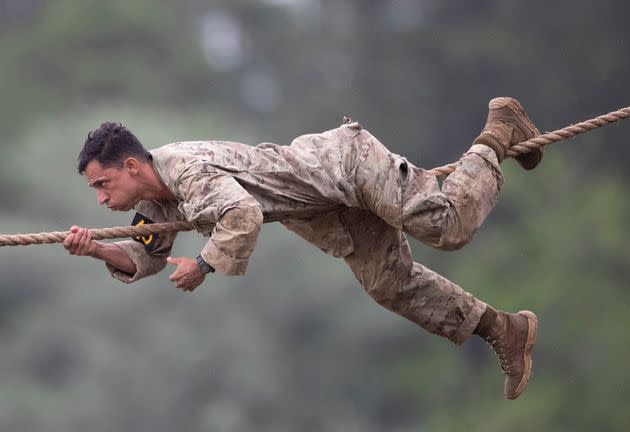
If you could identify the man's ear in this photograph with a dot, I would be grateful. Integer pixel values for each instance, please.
(131, 164)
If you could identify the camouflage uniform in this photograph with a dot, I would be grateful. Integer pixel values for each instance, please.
(341, 190)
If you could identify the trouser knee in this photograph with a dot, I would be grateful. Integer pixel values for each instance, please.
(441, 231)
(454, 239)
(385, 281)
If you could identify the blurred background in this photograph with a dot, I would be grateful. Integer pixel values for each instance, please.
(296, 344)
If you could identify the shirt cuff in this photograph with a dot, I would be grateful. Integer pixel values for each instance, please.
(146, 264)
(222, 262)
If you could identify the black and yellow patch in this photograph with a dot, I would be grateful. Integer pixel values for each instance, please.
(148, 242)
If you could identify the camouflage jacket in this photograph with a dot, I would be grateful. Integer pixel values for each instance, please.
(226, 190)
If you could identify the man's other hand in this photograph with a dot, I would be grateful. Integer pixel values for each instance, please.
(79, 242)
(187, 276)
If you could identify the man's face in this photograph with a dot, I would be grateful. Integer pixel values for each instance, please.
(115, 187)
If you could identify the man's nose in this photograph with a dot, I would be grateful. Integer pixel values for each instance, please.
(102, 198)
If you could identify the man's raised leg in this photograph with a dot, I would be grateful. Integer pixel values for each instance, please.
(444, 216)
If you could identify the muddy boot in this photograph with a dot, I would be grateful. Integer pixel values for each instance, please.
(507, 125)
(512, 337)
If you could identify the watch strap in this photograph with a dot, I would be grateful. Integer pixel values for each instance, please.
(203, 265)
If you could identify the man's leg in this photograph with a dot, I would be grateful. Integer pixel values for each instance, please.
(382, 262)
(411, 199)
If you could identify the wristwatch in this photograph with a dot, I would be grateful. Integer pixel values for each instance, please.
(204, 266)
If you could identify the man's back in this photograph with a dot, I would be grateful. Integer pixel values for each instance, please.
(288, 181)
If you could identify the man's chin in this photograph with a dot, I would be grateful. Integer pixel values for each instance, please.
(120, 208)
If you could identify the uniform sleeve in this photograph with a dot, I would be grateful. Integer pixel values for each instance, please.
(147, 253)
(216, 205)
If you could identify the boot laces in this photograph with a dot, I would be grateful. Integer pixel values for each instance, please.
(499, 349)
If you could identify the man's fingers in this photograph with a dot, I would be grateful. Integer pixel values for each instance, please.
(180, 282)
(174, 260)
(181, 285)
(77, 241)
(87, 243)
(185, 275)
(84, 240)
(68, 241)
(174, 276)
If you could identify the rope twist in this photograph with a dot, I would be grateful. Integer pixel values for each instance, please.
(96, 234)
(549, 138)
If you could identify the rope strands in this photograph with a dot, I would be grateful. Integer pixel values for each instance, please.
(443, 171)
(97, 233)
(550, 137)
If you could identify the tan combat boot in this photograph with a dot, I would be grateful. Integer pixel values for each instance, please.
(512, 337)
(507, 125)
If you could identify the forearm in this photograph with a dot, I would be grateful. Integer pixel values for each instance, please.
(114, 256)
(233, 240)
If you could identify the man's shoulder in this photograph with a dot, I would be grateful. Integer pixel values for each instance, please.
(182, 149)
(191, 151)
(174, 159)
(187, 157)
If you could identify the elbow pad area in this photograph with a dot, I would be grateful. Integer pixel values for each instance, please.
(242, 219)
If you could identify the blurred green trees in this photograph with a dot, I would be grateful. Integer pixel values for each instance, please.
(295, 344)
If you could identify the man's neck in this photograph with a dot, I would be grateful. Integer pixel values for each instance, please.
(155, 189)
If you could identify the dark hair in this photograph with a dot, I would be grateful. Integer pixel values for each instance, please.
(110, 144)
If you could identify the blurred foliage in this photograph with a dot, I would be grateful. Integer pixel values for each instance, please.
(295, 344)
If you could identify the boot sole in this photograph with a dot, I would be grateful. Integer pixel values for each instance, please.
(515, 106)
(532, 322)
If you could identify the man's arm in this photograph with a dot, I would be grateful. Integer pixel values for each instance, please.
(114, 256)
(79, 242)
(216, 204)
(126, 260)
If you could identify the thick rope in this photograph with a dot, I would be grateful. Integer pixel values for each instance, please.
(96, 234)
(443, 171)
(549, 137)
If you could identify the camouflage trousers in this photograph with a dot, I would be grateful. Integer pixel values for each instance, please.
(397, 198)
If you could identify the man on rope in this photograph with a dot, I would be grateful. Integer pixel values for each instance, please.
(340, 190)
